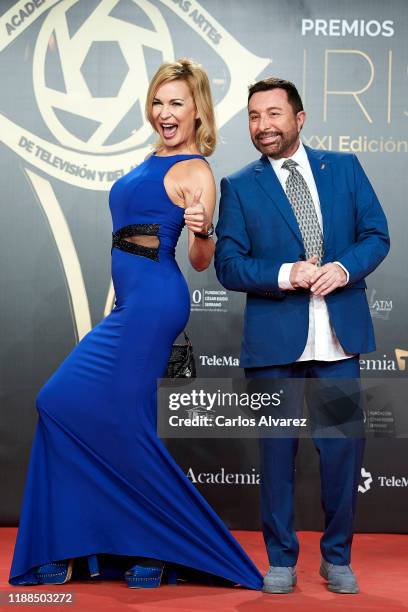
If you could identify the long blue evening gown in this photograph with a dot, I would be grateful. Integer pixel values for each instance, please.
(100, 481)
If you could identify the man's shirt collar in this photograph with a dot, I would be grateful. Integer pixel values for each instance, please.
(300, 156)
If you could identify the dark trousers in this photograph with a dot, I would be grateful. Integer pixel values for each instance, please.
(340, 467)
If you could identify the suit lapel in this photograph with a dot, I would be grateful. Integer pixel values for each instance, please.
(271, 186)
(323, 177)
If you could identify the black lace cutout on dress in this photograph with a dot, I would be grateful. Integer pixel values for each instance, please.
(133, 231)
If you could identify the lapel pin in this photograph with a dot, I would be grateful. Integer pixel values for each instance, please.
(322, 166)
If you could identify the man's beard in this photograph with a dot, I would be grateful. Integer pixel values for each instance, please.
(276, 150)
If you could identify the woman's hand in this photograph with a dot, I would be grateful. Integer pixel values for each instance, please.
(195, 214)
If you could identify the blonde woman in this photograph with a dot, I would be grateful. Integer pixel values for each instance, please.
(103, 497)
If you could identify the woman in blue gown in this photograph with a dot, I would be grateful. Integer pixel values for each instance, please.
(102, 492)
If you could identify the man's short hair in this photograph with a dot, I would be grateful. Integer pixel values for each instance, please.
(294, 98)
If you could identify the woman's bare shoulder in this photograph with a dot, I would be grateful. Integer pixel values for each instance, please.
(192, 170)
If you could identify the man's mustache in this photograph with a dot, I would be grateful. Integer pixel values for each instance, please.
(263, 134)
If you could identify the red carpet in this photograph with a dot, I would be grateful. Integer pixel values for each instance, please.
(379, 561)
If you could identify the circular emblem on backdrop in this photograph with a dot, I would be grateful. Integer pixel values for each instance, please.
(92, 63)
(88, 101)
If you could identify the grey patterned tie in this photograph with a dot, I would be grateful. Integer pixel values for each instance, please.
(302, 204)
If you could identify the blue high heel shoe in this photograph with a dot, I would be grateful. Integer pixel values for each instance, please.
(56, 572)
(140, 577)
(60, 572)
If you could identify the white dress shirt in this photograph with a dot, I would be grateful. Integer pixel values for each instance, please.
(322, 343)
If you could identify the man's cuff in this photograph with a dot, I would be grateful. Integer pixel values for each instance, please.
(343, 268)
(284, 276)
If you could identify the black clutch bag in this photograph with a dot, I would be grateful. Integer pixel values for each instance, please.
(181, 363)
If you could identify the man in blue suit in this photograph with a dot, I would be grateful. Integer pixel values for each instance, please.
(298, 232)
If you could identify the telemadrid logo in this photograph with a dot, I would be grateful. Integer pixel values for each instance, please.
(382, 481)
(367, 480)
(219, 360)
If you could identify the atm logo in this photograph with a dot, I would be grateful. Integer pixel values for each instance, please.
(380, 307)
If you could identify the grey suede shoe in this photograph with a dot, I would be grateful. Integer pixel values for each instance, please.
(341, 578)
(279, 579)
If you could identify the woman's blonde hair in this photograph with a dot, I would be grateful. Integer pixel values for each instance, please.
(196, 78)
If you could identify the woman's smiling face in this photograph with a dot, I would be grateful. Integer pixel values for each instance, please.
(174, 115)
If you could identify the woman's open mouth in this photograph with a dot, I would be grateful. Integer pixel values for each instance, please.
(169, 130)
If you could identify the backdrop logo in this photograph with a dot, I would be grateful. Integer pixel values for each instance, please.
(94, 114)
(219, 360)
(214, 300)
(401, 356)
(347, 27)
(393, 481)
(383, 481)
(380, 307)
(85, 116)
(225, 478)
(367, 480)
(102, 103)
(380, 364)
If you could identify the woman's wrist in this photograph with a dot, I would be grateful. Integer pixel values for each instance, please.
(206, 233)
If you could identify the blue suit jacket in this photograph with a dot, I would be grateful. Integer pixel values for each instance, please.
(257, 232)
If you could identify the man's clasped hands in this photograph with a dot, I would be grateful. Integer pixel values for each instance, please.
(320, 280)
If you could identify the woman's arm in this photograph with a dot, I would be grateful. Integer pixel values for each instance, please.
(199, 196)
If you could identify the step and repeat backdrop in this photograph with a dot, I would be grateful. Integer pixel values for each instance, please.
(74, 76)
